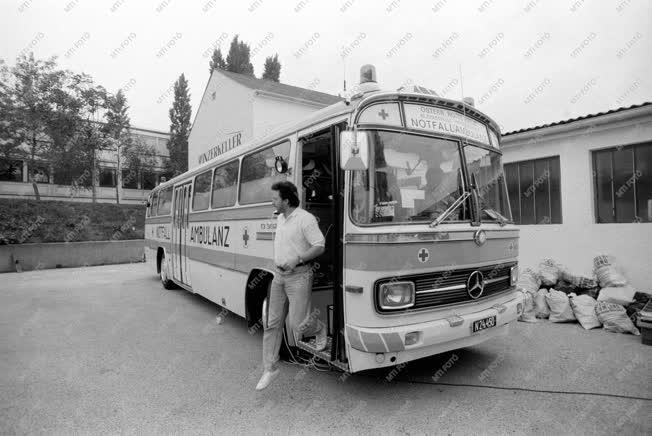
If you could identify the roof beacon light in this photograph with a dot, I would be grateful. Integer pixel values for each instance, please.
(368, 81)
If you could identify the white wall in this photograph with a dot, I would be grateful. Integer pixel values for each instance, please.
(231, 111)
(578, 239)
(270, 113)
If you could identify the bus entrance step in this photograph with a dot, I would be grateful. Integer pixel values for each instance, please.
(324, 354)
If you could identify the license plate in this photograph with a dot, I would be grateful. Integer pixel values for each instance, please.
(485, 323)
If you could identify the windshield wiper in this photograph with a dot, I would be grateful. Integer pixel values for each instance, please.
(461, 199)
(502, 220)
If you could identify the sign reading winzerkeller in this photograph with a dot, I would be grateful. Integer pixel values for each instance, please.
(232, 141)
(434, 119)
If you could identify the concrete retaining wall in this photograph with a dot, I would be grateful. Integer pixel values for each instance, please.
(70, 254)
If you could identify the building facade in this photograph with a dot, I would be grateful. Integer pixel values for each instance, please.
(236, 108)
(15, 181)
(583, 187)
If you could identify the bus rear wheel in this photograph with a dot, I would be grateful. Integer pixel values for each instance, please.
(165, 280)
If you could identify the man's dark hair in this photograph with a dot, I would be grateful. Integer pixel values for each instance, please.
(287, 191)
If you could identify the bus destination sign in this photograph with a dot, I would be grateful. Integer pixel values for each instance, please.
(439, 120)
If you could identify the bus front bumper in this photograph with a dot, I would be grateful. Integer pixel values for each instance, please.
(379, 347)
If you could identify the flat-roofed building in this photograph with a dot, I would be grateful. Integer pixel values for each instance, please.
(583, 187)
(15, 181)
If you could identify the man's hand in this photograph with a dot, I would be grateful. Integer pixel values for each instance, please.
(289, 266)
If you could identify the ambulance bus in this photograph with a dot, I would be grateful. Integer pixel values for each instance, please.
(421, 250)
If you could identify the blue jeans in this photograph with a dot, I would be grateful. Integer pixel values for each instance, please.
(289, 295)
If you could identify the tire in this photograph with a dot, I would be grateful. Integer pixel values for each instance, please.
(165, 281)
(284, 351)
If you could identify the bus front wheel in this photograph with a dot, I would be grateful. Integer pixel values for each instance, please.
(165, 280)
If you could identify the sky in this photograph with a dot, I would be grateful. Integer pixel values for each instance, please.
(525, 62)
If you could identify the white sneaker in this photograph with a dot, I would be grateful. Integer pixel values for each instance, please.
(321, 338)
(267, 378)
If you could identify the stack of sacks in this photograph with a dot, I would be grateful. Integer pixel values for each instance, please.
(560, 308)
(529, 283)
(549, 272)
(577, 283)
(613, 284)
(614, 318)
(541, 309)
(584, 310)
(557, 276)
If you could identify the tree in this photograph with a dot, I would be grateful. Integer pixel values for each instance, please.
(91, 139)
(272, 68)
(25, 95)
(238, 59)
(217, 61)
(117, 129)
(179, 128)
(139, 159)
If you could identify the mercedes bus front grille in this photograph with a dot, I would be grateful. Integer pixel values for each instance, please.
(449, 287)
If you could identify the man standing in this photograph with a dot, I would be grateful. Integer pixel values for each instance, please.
(298, 240)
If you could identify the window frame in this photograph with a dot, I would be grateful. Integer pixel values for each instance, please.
(236, 202)
(153, 204)
(99, 177)
(169, 188)
(261, 149)
(551, 203)
(633, 147)
(210, 171)
(22, 171)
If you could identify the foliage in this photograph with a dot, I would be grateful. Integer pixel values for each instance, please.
(52, 115)
(217, 61)
(23, 221)
(238, 60)
(272, 68)
(180, 114)
(139, 158)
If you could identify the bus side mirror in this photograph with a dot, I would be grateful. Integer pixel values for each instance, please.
(354, 150)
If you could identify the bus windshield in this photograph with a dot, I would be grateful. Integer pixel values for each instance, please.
(416, 178)
(492, 189)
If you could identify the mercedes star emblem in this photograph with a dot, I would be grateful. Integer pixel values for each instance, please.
(475, 285)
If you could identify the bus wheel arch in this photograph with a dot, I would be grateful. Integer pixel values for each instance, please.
(258, 283)
(160, 253)
(163, 271)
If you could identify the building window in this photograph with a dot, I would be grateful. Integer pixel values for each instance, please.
(40, 174)
(11, 170)
(129, 179)
(202, 191)
(623, 184)
(107, 177)
(165, 202)
(535, 190)
(225, 183)
(149, 180)
(259, 173)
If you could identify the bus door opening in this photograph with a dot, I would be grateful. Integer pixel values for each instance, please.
(180, 234)
(318, 178)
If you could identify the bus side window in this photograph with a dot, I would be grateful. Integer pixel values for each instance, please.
(259, 173)
(165, 202)
(225, 185)
(201, 193)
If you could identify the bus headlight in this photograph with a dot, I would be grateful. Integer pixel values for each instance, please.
(396, 295)
(513, 274)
